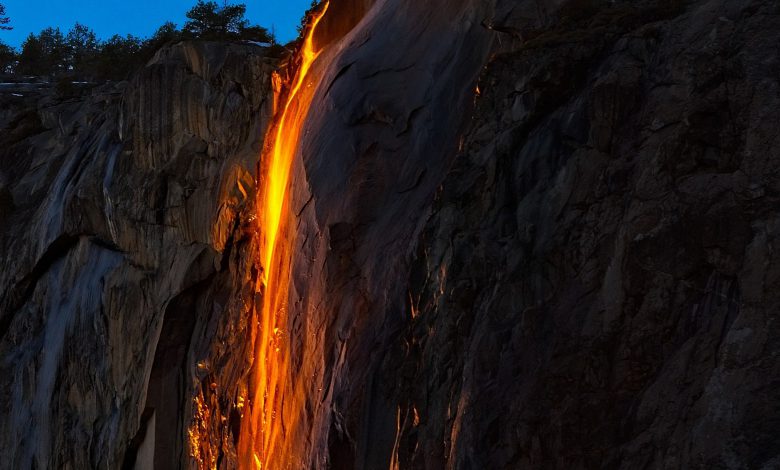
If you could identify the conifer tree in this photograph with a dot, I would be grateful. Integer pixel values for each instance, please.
(4, 20)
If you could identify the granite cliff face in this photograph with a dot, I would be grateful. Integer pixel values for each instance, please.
(526, 235)
(595, 286)
(119, 215)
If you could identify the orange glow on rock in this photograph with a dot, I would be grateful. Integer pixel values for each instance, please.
(270, 416)
(285, 144)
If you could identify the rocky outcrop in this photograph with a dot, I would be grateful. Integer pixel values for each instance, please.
(588, 284)
(526, 235)
(594, 287)
(367, 172)
(119, 244)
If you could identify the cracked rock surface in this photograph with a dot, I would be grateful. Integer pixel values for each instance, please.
(586, 279)
(595, 286)
(529, 234)
(118, 234)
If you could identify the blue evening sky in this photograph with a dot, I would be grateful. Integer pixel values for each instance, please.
(138, 17)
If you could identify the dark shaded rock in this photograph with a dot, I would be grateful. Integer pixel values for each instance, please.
(593, 294)
(118, 251)
(528, 235)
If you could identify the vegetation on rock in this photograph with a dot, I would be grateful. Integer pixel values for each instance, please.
(79, 55)
(4, 20)
(208, 20)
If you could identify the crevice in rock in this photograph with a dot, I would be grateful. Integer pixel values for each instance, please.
(169, 390)
(340, 74)
(23, 290)
(131, 454)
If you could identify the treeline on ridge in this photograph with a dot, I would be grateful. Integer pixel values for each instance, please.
(78, 55)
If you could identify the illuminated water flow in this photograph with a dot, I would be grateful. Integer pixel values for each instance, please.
(263, 428)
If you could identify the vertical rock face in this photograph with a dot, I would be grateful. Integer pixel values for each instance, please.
(588, 285)
(119, 252)
(527, 235)
(594, 287)
(382, 130)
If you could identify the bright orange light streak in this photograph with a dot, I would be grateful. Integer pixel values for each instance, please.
(259, 445)
(285, 145)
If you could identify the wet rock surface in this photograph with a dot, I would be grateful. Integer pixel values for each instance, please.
(594, 287)
(590, 285)
(528, 235)
(119, 235)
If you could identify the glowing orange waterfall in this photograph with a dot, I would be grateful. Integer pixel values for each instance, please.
(265, 426)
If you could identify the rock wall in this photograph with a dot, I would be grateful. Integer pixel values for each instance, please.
(119, 237)
(382, 130)
(595, 284)
(528, 235)
(584, 280)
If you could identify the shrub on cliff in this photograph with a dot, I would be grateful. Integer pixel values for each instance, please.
(118, 58)
(165, 34)
(82, 50)
(7, 59)
(44, 54)
(54, 54)
(208, 20)
(80, 56)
